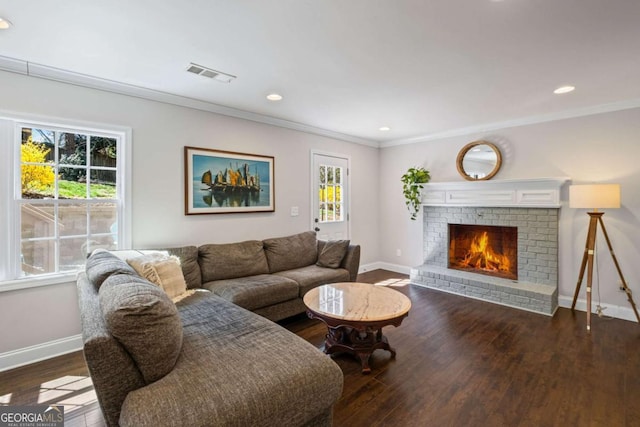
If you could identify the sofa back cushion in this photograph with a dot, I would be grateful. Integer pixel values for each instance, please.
(102, 264)
(189, 262)
(232, 260)
(287, 253)
(145, 321)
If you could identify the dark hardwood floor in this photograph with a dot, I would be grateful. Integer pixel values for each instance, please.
(460, 362)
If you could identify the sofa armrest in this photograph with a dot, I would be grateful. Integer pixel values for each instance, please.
(351, 261)
(113, 372)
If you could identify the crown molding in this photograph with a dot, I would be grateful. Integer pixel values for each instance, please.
(64, 76)
(523, 121)
(13, 65)
(51, 73)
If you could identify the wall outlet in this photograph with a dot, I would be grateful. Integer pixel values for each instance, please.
(294, 211)
(398, 252)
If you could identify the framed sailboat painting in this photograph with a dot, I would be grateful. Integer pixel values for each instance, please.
(219, 181)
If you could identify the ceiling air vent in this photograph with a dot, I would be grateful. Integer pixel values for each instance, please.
(210, 73)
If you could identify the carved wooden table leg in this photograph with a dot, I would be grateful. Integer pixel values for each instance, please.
(360, 343)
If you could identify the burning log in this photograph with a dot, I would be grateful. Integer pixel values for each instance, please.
(481, 256)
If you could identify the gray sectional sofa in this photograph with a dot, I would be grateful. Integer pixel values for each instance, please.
(212, 358)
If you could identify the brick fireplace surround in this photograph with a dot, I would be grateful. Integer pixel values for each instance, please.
(530, 205)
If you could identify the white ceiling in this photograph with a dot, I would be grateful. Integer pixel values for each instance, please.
(422, 67)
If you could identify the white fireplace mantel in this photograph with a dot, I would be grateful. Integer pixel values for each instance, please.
(535, 193)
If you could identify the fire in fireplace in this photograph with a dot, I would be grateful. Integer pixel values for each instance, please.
(484, 249)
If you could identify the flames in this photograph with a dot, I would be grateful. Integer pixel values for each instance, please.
(481, 256)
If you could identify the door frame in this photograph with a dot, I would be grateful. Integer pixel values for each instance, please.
(312, 190)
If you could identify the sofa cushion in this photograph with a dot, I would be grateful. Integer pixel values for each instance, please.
(162, 270)
(282, 310)
(145, 321)
(254, 291)
(286, 253)
(311, 276)
(332, 253)
(102, 264)
(231, 260)
(236, 369)
(188, 256)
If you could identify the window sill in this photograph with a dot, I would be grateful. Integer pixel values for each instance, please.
(36, 282)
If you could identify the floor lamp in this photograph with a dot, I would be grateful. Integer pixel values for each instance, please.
(596, 196)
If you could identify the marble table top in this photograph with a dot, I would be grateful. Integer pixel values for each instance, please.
(355, 301)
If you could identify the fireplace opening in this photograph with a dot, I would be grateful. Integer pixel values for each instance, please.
(484, 249)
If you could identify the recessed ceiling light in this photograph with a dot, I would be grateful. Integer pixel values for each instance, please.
(274, 97)
(384, 128)
(5, 24)
(564, 89)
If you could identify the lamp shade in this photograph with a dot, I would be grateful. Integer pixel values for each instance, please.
(594, 196)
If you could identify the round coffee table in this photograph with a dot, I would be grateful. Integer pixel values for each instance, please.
(355, 314)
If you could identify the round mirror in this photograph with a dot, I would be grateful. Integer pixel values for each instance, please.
(479, 160)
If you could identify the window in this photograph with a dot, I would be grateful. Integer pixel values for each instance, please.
(66, 198)
(330, 194)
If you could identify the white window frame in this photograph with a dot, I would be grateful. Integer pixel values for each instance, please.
(10, 192)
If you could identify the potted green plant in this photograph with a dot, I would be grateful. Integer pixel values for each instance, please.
(412, 183)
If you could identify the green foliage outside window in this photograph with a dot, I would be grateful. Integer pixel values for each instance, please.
(35, 177)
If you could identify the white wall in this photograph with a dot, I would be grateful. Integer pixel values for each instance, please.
(602, 148)
(160, 131)
(599, 148)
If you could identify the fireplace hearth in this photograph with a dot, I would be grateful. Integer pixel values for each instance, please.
(484, 249)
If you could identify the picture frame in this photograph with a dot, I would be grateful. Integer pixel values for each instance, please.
(222, 182)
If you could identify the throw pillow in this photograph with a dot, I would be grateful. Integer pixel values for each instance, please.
(332, 253)
(163, 270)
(188, 256)
(145, 321)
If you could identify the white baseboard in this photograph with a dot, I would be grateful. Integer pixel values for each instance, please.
(37, 353)
(608, 310)
(369, 267)
(397, 268)
(385, 266)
